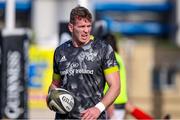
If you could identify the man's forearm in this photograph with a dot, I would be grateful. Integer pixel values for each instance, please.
(54, 84)
(113, 81)
(111, 95)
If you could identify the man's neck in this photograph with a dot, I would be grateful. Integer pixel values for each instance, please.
(79, 44)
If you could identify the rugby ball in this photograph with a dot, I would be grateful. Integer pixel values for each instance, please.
(60, 100)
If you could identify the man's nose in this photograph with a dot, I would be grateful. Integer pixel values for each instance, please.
(86, 29)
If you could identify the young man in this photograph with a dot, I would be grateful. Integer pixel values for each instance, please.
(83, 66)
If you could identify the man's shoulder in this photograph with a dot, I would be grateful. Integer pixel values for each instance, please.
(100, 42)
(64, 45)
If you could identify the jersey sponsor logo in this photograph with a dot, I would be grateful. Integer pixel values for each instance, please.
(76, 71)
(74, 65)
(73, 69)
(84, 71)
(63, 59)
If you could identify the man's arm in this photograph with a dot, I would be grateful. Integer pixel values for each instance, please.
(113, 81)
(113, 91)
(54, 84)
(55, 81)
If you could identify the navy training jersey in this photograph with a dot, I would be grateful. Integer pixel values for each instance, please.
(82, 72)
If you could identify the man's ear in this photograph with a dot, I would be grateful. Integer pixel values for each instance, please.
(70, 27)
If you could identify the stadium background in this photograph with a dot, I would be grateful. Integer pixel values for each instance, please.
(148, 40)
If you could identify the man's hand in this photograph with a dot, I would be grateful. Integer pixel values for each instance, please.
(90, 114)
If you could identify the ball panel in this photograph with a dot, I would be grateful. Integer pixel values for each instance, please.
(54, 106)
(67, 101)
(55, 97)
(62, 90)
(60, 100)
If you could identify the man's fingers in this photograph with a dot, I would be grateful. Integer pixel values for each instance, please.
(85, 115)
(83, 112)
(89, 114)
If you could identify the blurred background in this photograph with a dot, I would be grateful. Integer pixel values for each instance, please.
(148, 38)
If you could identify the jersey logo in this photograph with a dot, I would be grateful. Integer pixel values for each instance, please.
(63, 59)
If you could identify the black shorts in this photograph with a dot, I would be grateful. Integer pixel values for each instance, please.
(58, 116)
(120, 106)
(62, 117)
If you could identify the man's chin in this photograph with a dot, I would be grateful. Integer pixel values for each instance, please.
(84, 40)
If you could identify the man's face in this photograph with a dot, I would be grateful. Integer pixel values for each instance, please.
(81, 30)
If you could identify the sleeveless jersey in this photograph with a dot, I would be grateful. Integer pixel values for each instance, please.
(82, 72)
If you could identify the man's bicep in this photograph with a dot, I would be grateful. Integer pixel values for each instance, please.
(112, 75)
(112, 78)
